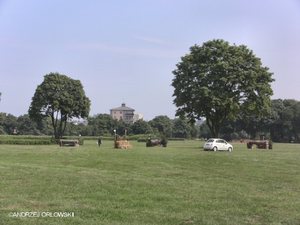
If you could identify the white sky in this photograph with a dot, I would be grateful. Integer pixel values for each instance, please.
(125, 51)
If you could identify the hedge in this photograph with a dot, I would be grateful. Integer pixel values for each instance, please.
(48, 140)
(33, 140)
(26, 140)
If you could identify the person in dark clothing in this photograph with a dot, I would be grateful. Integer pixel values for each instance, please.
(99, 141)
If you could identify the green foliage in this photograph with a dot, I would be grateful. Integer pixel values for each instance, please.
(137, 137)
(60, 98)
(281, 126)
(104, 124)
(27, 126)
(24, 125)
(141, 127)
(2, 130)
(285, 124)
(26, 140)
(34, 140)
(8, 123)
(220, 81)
(164, 141)
(204, 131)
(101, 124)
(95, 138)
(162, 125)
(181, 128)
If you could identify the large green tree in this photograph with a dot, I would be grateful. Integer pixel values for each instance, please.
(285, 126)
(162, 124)
(8, 123)
(181, 128)
(220, 81)
(102, 124)
(61, 98)
(141, 127)
(26, 126)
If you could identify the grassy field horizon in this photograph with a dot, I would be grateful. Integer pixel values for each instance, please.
(180, 184)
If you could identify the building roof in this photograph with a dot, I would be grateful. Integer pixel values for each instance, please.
(123, 107)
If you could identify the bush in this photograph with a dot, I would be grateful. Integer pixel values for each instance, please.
(95, 138)
(176, 139)
(164, 141)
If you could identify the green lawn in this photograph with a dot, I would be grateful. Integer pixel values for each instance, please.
(177, 185)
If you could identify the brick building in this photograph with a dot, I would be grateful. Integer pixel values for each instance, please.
(123, 113)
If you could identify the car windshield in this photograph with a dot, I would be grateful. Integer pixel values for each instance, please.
(210, 140)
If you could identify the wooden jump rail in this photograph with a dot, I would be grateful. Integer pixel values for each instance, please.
(260, 144)
(69, 143)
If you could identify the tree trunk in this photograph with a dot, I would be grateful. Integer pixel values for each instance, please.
(62, 126)
(213, 127)
(59, 125)
(54, 125)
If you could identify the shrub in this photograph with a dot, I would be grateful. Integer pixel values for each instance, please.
(26, 140)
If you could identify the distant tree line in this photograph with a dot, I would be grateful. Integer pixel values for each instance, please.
(100, 125)
(282, 126)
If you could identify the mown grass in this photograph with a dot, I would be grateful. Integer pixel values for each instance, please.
(180, 184)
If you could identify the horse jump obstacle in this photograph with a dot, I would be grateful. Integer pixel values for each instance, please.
(156, 142)
(262, 144)
(69, 143)
(122, 144)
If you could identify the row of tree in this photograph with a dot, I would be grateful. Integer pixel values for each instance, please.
(283, 125)
(100, 125)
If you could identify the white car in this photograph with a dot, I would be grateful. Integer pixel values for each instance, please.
(217, 144)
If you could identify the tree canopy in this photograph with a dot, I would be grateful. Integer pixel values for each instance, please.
(162, 124)
(285, 124)
(61, 98)
(220, 81)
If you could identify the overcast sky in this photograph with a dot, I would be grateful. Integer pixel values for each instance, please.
(126, 50)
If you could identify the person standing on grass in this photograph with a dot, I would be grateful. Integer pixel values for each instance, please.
(99, 141)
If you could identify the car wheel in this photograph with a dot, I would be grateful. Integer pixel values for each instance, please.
(215, 148)
(230, 149)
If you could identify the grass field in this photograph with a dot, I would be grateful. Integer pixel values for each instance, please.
(177, 185)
